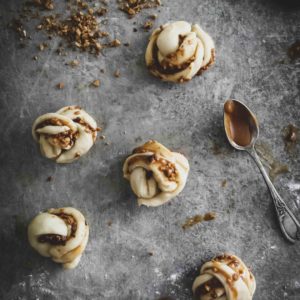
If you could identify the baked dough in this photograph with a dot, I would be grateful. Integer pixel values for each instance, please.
(66, 135)
(178, 51)
(61, 234)
(155, 173)
(225, 277)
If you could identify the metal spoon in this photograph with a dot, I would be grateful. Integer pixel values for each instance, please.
(242, 131)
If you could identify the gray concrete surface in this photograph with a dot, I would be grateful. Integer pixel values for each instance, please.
(252, 38)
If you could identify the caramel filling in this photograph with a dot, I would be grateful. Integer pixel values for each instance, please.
(53, 239)
(57, 239)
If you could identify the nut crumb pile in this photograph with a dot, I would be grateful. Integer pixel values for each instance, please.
(80, 29)
(133, 7)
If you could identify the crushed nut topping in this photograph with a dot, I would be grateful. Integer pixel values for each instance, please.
(168, 168)
(235, 276)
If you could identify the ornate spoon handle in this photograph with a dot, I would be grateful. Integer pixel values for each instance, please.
(282, 209)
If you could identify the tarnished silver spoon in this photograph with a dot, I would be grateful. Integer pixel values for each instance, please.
(242, 131)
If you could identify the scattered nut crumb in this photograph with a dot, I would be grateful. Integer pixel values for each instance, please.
(192, 221)
(132, 7)
(290, 136)
(101, 11)
(224, 183)
(46, 4)
(150, 253)
(115, 43)
(117, 73)
(102, 137)
(42, 46)
(153, 17)
(148, 25)
(109, 223)
(60, 85)
(74, 63)
(35, 58)
(96, 83)
(49, 178)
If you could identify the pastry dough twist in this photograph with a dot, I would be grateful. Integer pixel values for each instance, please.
(61, 234)
(224, 278)
(178, 51)
(155, 173)
(66, 135)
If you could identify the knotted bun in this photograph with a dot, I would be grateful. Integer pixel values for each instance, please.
(225, 277)
(61, 234)
(156, 174)
(178, 51)
(66, 135)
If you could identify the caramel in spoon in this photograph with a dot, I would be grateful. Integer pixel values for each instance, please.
(238, 123)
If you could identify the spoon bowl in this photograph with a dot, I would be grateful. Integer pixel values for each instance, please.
(241, 125)
(242, 131)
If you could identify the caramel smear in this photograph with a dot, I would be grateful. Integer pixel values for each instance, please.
(275, 167)
(190, 222)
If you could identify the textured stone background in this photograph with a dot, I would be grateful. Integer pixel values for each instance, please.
(252, 38)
